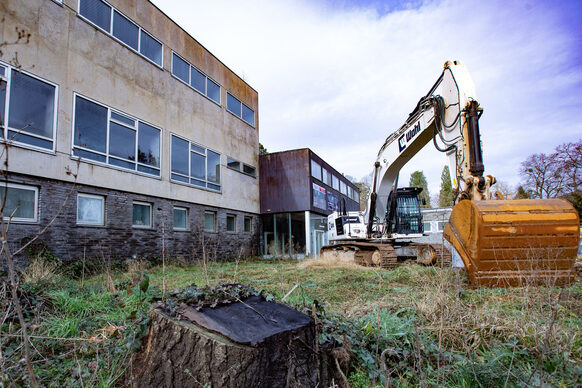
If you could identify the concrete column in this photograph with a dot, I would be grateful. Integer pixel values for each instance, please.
(307, 234)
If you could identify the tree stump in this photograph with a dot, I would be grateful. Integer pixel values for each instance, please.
(254, 343)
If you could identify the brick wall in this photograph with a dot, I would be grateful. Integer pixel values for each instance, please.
(118, 239)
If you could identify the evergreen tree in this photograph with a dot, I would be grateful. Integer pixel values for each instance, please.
(417, 179)
(262, 150)
(446, 193)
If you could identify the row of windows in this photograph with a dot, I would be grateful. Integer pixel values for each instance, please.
(114, 23)
(325, 176)
(100, 133)
(240, 167)
(22, 206)
(195, 78)
(440, 226)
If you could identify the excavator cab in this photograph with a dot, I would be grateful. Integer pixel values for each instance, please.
(403, 215)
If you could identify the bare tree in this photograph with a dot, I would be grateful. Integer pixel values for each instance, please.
(542, 175)
(569, 157)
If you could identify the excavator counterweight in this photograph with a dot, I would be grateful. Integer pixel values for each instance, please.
(515, 242)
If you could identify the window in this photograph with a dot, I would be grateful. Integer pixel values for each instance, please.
(350, 192)
(29, 105)
(90, 209)
(441, 225)
(427, 226)
(114, 23)
(142, 215)
(356, 196)
(343, 189)
(195, 78)
(315, 170)
(250, 170)
(324, 176)
(335, 182)
(248, 225)
(180, 218)
(209, 221)
(236, 107)
(103, 135)
(234, 164)
(21, 202)
(195, 165)
(230, 223)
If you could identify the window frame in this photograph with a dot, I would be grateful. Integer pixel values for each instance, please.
(186, 210)
(213, 213)
(239, 114)
(35, 219)
(107, 155)
(189, 83)
(443, 224)
(110, 32)
(250, 220)
(7, 77)
(151, 207)
(190, 176)
(233, 217)
(93, 196)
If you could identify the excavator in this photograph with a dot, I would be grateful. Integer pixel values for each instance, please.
(500, 242)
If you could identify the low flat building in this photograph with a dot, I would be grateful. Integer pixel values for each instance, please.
(298, 191)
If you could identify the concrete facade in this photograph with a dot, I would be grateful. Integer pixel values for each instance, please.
(81, 60)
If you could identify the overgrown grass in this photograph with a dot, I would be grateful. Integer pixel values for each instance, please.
(432, 328)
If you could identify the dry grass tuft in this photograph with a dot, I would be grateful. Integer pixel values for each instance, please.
(330, 263)
(40, 270)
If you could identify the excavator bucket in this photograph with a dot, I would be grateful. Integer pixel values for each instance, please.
(515, 242)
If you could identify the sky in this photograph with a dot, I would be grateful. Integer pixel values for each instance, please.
(339, 76)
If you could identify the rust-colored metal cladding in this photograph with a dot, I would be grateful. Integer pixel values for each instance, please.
(515, 242)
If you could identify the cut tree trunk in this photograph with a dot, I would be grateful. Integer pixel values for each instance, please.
(190, 352)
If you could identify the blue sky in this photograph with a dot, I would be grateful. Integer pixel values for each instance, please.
(339, 76)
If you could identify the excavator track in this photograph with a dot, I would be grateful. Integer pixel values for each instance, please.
(362, 253)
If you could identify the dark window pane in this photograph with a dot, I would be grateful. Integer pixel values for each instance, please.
(235, 164)
(213, 167)
(90, 125)
(89, 155)
(248, 115)
(213, 91)
(247, 224)
(32, 105)
(180, 178)
(121, 141)
(209, 222)
(148, 170)
(125, 30)
(141, 215)
(19, 202)
(148, 151)
(197, 182)
(121, 163)
(123, 119)
(151, 48)
(197, 166)
(233, 104)
(31, 140)
(179, 155)
(249, 170)
(180, 68)
(214, 187)
(180, 218)
(96, 11)
(197, 80)
(196, 148)
(230, 223)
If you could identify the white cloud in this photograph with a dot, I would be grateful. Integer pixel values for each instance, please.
(340, 79)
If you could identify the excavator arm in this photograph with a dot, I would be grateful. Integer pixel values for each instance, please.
(501, 242)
